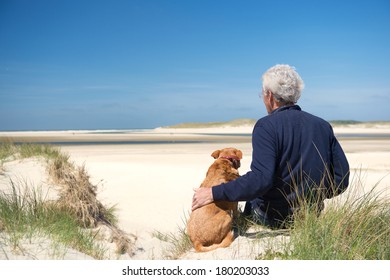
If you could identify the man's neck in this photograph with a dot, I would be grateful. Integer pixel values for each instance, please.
(286, 106)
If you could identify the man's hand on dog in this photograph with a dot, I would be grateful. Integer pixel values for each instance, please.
(202, 197)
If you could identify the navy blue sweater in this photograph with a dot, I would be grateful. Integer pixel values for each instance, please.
(292, 150)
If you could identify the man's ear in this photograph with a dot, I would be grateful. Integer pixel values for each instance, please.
(215, 154)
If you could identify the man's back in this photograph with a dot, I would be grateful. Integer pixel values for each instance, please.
(291, 149)
(299, 148)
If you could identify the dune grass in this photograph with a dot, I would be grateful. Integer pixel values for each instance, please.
(353, 226)
(25, 212)
(27, 150)
(357, 229)
(177, 242)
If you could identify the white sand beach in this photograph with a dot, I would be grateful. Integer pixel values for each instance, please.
(152, 184)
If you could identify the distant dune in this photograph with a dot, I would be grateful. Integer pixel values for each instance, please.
(251, 122)
(360, 124)
(232, 123)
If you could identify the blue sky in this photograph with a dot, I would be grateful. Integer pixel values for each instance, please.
(148, 63)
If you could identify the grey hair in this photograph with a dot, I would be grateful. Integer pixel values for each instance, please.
(284, 83)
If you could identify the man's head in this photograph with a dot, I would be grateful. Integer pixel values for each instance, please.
(282, 85)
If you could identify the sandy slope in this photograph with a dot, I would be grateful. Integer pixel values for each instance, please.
(152, 186)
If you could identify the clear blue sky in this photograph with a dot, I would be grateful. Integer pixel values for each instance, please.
(148, 63)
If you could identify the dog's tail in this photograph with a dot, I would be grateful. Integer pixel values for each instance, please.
(224, 243)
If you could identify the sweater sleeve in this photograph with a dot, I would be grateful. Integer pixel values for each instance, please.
(260, 179)
(340, 169)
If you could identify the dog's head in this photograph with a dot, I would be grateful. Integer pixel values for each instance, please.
(231, 154)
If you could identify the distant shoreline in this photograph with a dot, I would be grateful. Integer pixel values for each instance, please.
(237, 123)
(237, 131)
(166, 136)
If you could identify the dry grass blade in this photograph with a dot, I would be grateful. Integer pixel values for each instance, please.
(78, 196)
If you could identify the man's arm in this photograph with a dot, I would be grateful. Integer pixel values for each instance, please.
(340, 169)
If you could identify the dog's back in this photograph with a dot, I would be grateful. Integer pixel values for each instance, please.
(210, 226)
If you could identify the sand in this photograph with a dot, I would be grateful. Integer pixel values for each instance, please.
(152, 184)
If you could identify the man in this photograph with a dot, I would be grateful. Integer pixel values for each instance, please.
(296, 158)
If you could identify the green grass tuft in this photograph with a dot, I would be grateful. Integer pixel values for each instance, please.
(25, 214)
(356, 230)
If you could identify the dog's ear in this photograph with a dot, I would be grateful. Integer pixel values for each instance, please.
(215, 154)
(239, 154)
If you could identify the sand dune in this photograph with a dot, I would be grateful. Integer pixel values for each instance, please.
(152, 184)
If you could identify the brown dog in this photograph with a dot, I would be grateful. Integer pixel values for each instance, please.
(210, 227)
